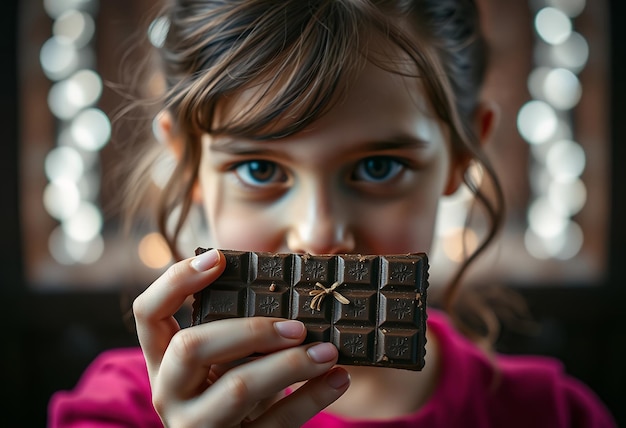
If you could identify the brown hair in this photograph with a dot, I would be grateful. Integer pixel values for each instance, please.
(297, 56)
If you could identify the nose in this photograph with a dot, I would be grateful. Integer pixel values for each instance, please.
(319, 222)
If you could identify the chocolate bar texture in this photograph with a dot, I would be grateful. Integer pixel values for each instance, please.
(371, 307)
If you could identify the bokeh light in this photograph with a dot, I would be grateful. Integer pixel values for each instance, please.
(572, 54)
(458, 243)
(58, 58)
(552, 25)
(68, 97)
(89, 185)
(68, 251)
(91, 129)
(85, 88)
(75, 26)
(568, 197)
(63, 163)
(562, 89)
(565, 160)
(536, 82)
(544, 220)
(571, 8)
(536, 122)
(56, 8)
(154, 252)
(85, 252)
(61, 199)
(564, 245)
(85, 223)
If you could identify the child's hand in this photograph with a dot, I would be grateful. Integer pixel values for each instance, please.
(197, 374)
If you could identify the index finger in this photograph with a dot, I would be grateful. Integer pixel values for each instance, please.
(154, 309)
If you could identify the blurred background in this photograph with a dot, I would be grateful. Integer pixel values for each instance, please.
(69, 274)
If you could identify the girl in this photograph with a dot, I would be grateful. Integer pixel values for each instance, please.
(317, 126)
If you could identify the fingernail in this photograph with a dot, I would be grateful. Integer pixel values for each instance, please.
(291, 329)
(205, 261)
(338, 378)
(322, 352)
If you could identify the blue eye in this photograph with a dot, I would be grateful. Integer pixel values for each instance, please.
(377, 169)
(259, 172)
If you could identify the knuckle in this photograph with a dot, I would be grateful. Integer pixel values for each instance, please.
(191, 419)
(141, 304)
(238, 391)
(185, 345)
(319, 399)
(294, 360)
(140, 308)
(259, 328)
(174, 273)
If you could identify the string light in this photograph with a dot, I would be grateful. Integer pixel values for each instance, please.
(67, 59)
(557, 160)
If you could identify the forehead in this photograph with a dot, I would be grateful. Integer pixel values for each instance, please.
(379, 101)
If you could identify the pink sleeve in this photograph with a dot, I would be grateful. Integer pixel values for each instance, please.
(114, 391)
(548, 394)
(586, 410)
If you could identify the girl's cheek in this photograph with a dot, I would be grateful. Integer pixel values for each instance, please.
(232, 224)
(243, 231)
(411, 236)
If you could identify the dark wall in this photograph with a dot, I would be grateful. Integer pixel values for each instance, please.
(48, 339)
(11, 286)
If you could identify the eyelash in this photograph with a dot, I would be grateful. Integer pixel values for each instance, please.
(392, 167)
(244, 174)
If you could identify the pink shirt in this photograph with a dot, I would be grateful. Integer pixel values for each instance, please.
(114, 391)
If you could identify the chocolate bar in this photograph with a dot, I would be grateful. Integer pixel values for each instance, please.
(371, 307)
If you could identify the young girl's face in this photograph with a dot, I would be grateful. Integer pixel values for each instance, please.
(365, 178)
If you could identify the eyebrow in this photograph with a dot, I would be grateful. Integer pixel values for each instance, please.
(398, 142)
(395, 143)
(232, 147)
